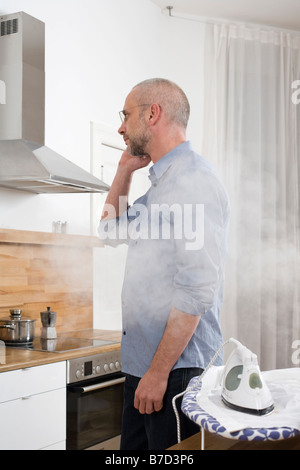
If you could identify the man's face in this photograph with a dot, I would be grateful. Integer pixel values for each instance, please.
(134, 129)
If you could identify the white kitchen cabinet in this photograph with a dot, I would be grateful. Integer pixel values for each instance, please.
(33, 408)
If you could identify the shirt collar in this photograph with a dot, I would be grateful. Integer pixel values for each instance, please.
(162, 165)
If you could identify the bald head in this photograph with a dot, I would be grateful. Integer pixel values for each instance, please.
(168, 95)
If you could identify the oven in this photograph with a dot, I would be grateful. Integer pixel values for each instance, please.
(94, 402)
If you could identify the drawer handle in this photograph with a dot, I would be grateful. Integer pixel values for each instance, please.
(27, 398)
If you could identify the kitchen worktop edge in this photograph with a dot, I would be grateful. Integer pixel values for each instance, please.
(15, 358)
(27, 237)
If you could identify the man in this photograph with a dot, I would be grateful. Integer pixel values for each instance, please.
(176, 235)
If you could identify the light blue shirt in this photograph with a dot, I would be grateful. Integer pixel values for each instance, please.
(177, 242)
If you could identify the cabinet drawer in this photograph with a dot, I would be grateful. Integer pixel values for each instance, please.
(33, 423)
(26, 382)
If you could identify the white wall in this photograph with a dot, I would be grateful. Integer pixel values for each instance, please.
(181, 59)
(96, 50)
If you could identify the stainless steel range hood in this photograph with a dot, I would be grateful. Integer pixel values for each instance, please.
(25, 162)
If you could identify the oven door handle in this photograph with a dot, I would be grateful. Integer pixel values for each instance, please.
(99, 386)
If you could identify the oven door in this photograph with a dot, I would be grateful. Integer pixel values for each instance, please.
(94, 413)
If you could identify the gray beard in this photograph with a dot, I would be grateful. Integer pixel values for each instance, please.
(138, 145)
(137, 148)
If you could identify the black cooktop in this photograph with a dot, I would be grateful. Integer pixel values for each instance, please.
(61, 344)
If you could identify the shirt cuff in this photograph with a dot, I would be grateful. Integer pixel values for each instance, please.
(187, 304)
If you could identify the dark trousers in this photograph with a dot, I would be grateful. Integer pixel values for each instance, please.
(156, 431)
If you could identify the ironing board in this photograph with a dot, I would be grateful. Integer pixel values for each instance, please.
(191, 408)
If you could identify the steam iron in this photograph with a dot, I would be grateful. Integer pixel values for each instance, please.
(244, 388)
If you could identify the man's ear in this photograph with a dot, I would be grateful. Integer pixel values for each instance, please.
(155, 113)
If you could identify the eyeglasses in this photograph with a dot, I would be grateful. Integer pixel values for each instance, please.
(123, 114)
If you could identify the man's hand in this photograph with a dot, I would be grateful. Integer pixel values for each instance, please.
(131, 163)
(150, 393)
(121, 185)
(152, 386)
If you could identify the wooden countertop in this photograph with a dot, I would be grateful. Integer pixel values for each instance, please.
(15, 358)
(47, 238)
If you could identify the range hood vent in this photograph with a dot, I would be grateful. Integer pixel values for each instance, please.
(25, 162)
(9, 27)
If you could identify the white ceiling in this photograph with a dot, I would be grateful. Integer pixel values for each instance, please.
(279, 13)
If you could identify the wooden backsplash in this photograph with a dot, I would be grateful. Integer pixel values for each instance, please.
(41, 270)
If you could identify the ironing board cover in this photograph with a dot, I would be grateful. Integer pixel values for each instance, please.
(191, 408)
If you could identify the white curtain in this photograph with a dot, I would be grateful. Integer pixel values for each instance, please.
(252, 135)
